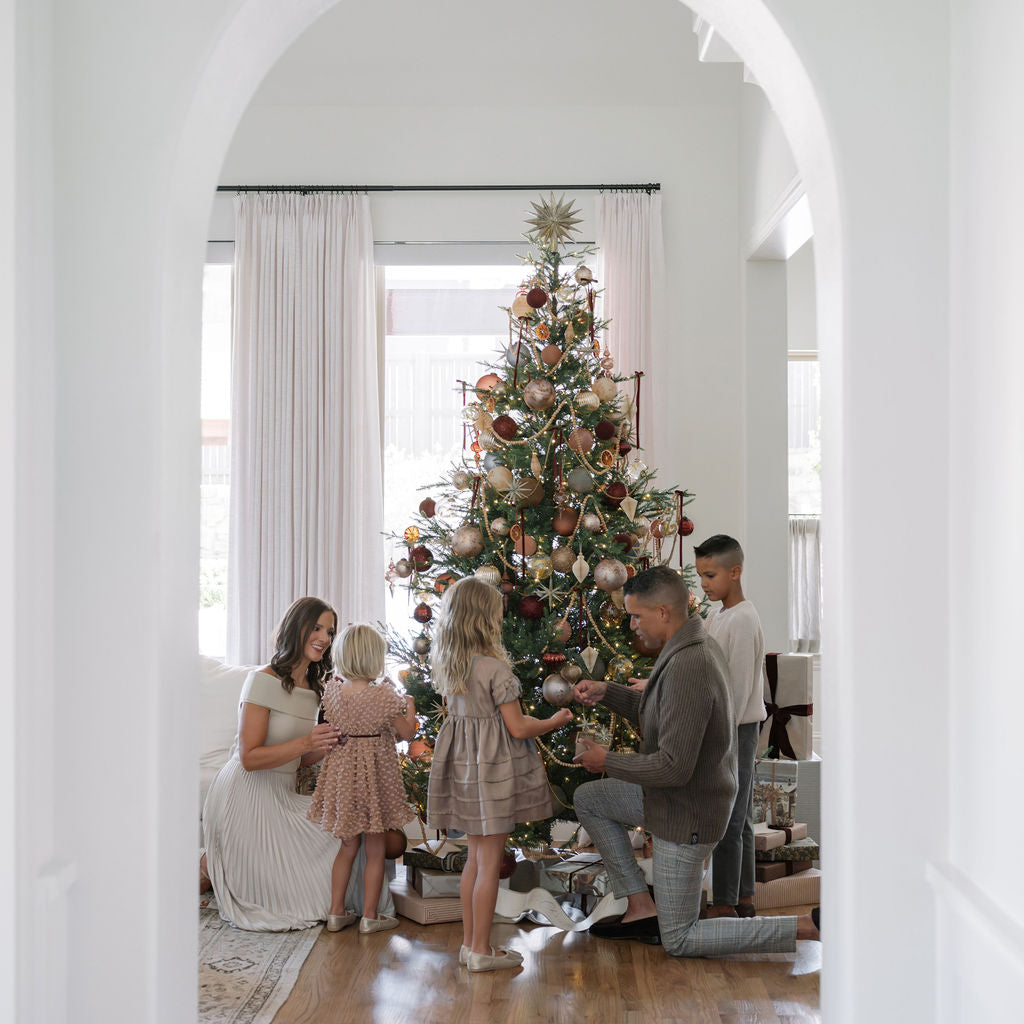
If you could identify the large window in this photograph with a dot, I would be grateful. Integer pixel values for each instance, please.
(804, 435)
(442, 323)
(215, 409)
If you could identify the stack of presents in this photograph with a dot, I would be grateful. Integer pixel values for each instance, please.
(787, 784)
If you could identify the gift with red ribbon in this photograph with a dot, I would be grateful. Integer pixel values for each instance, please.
(786, 732)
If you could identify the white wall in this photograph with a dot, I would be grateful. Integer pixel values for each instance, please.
(801, 300)
(979, 898)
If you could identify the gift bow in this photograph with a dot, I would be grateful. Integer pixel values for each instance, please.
(778, 737)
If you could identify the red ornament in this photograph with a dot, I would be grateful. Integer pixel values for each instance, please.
(536, 297)
(486, 382)
(614, 494)
(531, 608)
(443, 581)
(625, 448)
(625, 539)
(605, 430)
(685, 526)
(553, 660)
(422, 613)
(427, 508)
(505, 427)
(508, 865)
(422, 558)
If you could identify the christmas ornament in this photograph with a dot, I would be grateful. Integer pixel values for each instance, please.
(443, 582)
(554, 221)
(584, 275)
(423, 614)
(536, 297)
(625, 448)
(535, 466)
(557, 691)
(625, 539)
(635, 470)
(580, 568)
(421, 644)
(581, 440)
(587, 400)
(553, 660)
(571, 673)
(422, 558)
(562, 559)
(417, 749)
(462, 480)
(539, 394)
(569, 334)
(614, 493)
(607, 458)
(550, 355)
(658, 528)
(531, 608)
(488, 574)
(619, 596)
(589, 656)
(609, 574)
(551, 592)
(488, 440)
(492, 459)
(403, 568)
(525, 545)
(486, 382)
(521, 308)
(499, 527)
(428, 507)
(580, 481)
(611, 614)
(539, 566)
(505, 427)
(605, 388)
(628, 505)
(686, 526)
(500, 478)
(563, 632)
(620, 668)
(467, 541)
(483, 420)
(411, 535)
(529, 492)
(565, 521)
(605, 430)
(592, 522)
(542, 331)
(506, 586)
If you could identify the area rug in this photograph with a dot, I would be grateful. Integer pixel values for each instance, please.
(245, 977)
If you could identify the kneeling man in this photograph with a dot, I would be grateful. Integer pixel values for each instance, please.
(680, 786)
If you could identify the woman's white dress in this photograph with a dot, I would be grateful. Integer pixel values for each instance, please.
(270, 866)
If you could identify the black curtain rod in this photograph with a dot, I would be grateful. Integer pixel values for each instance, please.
(649, 187)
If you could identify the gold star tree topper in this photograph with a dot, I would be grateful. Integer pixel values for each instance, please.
(554, 222)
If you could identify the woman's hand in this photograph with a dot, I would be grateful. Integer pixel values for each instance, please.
(323, 738)
(561, 718)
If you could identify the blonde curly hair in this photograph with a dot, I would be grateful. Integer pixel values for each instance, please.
(360, 652)
(468, 624)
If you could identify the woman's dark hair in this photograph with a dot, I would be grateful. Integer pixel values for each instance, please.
(290, 641)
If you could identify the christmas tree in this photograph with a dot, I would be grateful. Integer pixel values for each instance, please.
(551, 505)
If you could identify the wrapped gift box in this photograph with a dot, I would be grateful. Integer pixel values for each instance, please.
(787, 730)
(585, 874)
(802, 849)
(793, 891)
(767, 837)
(765, 871)
(432, 884)
(409, 903)
(775, 792)
(448, 856)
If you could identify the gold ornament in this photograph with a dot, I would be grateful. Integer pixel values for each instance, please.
(499, 527)
(605, 388)
(571, 672)
(535, 466)
(562, 559)
(488, 574)
(554, 221)
(462, 480)
(580, 568)
(539, 394)
(488, 440)
(607, 457)
(539, 566)
(483, 420)
(500, 478)
(467, 541)
(584, 275)
(611, 615)
(412, 534)
(592, 522)
(587, 400)
(620, 668)
(570, 334)
(542, 332)
(521, 308)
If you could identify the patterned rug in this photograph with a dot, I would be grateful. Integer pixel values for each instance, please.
(245, 977)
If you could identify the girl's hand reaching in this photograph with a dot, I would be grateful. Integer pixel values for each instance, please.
(560, 719)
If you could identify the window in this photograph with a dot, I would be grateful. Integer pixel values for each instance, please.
(215, 410)
(442, 322)
(804, 435)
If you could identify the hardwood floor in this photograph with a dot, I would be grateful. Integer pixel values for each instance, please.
(412, 975)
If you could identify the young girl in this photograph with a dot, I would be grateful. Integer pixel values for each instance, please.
(486, 774)
(359, 790)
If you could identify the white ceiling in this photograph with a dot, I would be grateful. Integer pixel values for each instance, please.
(476, 52)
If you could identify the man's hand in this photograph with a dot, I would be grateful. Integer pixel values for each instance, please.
(593, 756)
(637, 684)
(590, 691)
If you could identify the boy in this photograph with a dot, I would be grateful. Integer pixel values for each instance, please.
(737, 629)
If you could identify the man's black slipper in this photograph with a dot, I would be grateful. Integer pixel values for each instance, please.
(644, 930)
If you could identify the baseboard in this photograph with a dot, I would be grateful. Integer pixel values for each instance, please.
(979, 951)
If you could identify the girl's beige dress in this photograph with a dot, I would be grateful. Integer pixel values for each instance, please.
(483, 780)
(360, 787)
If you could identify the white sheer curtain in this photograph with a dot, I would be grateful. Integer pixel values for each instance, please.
(804, 583)
(306, 501)
(631, 271)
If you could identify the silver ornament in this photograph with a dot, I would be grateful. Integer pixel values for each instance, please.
(421, 644)
(557, 690)
(580, 481)
(499, 527)
(610, 574)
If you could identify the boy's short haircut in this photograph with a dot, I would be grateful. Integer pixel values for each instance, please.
(725, 550)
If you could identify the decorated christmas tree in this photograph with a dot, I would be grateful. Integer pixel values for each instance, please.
(552, 505)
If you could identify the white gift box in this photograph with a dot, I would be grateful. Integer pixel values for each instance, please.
(788, 696)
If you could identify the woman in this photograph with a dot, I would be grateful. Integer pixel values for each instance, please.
(270, 867)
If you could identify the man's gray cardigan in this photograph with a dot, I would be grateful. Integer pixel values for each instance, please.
(687, 759)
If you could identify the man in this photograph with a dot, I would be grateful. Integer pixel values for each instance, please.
(680, 786)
